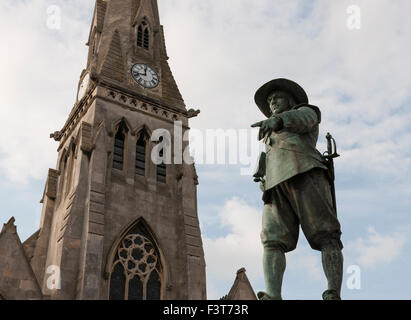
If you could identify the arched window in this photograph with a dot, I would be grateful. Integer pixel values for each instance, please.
(141, 148)
(136, 272)
(119, 143)
(161, 168)
(143, 35)
(146, 40)
(140, 36)
(162, 171)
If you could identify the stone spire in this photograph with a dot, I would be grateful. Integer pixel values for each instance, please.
(114, 48)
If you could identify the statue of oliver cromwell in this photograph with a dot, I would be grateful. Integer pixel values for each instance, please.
(298, 187)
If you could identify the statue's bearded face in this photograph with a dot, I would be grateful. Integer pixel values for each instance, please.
(280, 101)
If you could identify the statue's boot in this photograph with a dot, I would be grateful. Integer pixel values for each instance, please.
(331, 295)
(265, 296)
(332, 260)
(274, 267)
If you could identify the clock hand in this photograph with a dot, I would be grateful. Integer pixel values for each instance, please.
(139, 72)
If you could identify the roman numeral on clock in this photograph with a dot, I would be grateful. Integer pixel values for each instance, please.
(145, 76)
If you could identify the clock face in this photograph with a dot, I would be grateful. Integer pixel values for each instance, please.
(145, 76)
(83, 87)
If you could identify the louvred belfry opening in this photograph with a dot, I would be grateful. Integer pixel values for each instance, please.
(143, 35)
(141, 148)
(119, 144)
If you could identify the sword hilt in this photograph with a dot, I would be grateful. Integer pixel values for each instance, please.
(331, 152)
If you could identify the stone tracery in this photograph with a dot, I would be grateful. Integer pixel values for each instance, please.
(136, 270)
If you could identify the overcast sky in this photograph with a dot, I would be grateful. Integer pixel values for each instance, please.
(220, 53)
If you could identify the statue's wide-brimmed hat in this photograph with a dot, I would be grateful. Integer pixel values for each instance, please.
(286, 85)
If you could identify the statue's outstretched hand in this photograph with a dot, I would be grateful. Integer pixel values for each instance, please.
(257, 124)
(266, 126)
(263, 129)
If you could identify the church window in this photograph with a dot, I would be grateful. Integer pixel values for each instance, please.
(140, 36)
(141, 155)
(119, 143)
(143, 35)
(146, 39)
(136, 271)
(161, 168)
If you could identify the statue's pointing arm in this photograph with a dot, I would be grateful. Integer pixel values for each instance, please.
(301, 120)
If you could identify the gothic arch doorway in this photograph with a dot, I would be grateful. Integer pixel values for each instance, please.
(136, 269)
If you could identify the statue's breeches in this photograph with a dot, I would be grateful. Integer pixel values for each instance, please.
(304, 200)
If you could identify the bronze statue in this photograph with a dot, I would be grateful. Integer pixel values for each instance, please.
(297, 184)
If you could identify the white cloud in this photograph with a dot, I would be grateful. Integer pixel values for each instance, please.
(221, 51)
(40, 69)
(376, 249)
(305, 261)
(241, 247)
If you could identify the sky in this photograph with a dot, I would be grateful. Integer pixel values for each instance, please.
(220, 53)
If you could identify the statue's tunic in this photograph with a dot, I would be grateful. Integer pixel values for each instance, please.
(293, 150)
(297, 189)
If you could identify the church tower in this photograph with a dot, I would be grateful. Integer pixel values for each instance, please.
(116, 225)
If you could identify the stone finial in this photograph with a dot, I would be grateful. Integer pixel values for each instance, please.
(242, 270)
(193, 113)
(56, 136)
(241, 273)
(9, 227)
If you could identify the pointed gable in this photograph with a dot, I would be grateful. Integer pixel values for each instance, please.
(241, 289)
(171, 93)
(148, 9)
(170, 89)
(113, 65)
(17, 280)
(30, 245)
